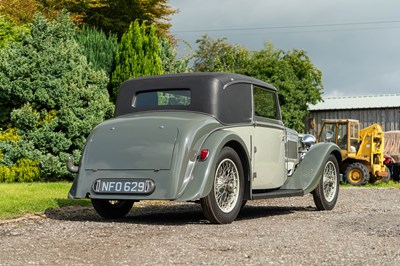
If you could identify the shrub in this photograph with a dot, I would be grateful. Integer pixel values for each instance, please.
(24, 170)
(9, 135)
(9, 32)
(52, 97)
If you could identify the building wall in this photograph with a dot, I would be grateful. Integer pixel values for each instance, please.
(388, 118)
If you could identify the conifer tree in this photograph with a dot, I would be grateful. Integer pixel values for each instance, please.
(139, 54)
(170, 61)
(99, 49)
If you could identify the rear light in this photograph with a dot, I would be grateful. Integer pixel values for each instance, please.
(203, 155)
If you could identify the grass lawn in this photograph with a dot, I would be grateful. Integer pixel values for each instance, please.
(390, 184)
(18, 199)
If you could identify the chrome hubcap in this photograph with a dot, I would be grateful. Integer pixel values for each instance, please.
(226, 185)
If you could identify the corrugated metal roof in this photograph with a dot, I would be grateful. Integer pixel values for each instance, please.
(358, 102)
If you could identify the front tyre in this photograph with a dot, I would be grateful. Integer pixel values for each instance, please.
(326, 193)
(223, 203)
(112, 209)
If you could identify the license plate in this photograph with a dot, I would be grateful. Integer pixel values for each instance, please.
(124, 186)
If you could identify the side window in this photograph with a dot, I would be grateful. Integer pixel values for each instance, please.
(354, 130)
(264, 103)
(342, 136)
(328, 127)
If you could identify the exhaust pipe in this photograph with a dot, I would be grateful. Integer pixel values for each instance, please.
(70, 165)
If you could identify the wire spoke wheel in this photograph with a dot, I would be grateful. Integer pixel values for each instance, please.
(326, 193)
(223, 203)
(329, 181)
(226, 185)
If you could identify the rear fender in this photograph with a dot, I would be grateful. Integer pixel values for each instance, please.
(203, 173)
(309, 172)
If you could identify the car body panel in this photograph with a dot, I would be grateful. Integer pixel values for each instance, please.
(269, 157)
(131, 143)
(193, 128)
(309, 171)
(203, 174)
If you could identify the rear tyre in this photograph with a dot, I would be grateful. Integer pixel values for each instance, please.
(223, 203)
(326, 193)
(112, 209)
(357, 174)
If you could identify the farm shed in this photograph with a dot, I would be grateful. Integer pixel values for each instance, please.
(392, 144)
(381, 109)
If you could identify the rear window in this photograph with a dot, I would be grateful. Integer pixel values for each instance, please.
(165, 97)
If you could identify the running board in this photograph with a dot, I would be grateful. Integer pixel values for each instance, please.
(278, 193)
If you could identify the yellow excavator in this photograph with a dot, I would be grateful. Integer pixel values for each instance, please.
(362, 150)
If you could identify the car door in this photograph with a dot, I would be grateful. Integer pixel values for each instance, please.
(269, 169)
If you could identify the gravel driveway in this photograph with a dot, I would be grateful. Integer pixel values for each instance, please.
(363, 229)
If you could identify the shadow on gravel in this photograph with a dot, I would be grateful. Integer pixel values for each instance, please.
(254, 212)
(168, 214)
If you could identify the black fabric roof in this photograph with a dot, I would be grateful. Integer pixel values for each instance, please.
(226, 96)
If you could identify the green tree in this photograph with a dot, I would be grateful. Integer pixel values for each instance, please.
(220, 56)
(169, 57)
(51, 95)
(291, 72)
(139, 54)
(99, 49)
(298, 81)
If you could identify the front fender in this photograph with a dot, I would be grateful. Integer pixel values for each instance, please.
(309, 172)
(203, 173)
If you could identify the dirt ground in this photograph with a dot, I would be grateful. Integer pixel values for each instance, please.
(363, 229)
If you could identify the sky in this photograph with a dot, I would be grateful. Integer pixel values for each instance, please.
(355, 43)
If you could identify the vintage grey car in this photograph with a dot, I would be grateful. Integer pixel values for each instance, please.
(213, 138)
